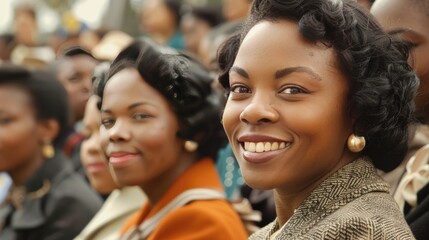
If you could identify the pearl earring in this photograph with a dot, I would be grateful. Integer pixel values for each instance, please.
(356, 143)
(191, 146)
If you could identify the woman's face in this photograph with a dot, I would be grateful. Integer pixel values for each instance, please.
(413, 22)
(193, 30)
(157, 18)
(91, 154)
(138, 132)
(75, 73)
(286, 116)
(20, 141)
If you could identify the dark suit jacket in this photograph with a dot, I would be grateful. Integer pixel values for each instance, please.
(61, 213)
(418, 218)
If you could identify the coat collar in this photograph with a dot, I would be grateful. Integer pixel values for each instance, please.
(350, 182)
(202, 174)
(29, 212)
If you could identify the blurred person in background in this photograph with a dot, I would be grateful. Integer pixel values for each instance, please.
(120, 202)
(160, 19)
(196, 22)
(74, 69)
(90, 38)
(161, 131)
(111, 45)
(7, 44)
(236, 10)
(29, 49)
(47, 200)
(209, 44)
(408, 20)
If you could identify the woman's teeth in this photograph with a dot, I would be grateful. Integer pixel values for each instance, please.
(265, 146)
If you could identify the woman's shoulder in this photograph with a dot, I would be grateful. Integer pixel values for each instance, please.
(69, 187)
(204, 219)
(372, 216)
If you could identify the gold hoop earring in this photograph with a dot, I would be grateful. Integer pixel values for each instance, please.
(356, 143)
(48, 150)
(191, 146)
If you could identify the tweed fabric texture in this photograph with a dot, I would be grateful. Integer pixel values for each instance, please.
(353, 203)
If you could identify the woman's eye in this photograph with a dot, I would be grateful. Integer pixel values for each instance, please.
(293, 90)
(240, 89)
(5, 120)
(141, 116)
(107, 123)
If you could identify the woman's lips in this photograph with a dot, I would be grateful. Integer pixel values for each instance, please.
(120, 159)
(96, 167)
(260, 149)
(262, 157)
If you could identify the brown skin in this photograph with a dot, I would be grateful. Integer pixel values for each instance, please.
(139, 131)
(396, 15)
(306, 108)
(75, 73)
(21, 135)
(91, 154)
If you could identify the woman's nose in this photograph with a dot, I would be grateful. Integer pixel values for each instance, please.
(258, 111)
(93, 144)
(119, 132)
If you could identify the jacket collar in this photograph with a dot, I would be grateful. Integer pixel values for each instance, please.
(29, 213)
(202, 174)
(350, 182)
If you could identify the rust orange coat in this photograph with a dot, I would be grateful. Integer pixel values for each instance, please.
(200, 219)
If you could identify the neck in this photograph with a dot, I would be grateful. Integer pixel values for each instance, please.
(21, 174)
(156, 188)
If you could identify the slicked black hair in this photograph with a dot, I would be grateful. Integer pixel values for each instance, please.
(75, 51)
(382, 84)
(184, 83)
(48, 96)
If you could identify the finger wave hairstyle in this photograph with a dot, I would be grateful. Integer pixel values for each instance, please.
(184, 83)
(382, 84)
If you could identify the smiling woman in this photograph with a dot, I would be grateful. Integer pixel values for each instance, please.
(312, 109)
(161, 131)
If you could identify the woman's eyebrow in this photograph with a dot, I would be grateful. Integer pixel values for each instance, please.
(286, 71)
(240, 71)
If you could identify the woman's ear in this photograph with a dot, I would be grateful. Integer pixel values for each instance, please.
(48, 130)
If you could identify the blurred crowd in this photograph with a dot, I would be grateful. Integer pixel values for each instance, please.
(55, 182)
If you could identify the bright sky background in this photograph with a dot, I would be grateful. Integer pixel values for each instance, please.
(88, 11)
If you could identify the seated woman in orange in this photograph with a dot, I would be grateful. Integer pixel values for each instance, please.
(161, 131)
(313, 110)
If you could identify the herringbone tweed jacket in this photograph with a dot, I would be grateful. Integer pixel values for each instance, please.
(353, 203)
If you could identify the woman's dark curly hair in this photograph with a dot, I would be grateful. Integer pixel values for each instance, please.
(382, 84)
(184, 83)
